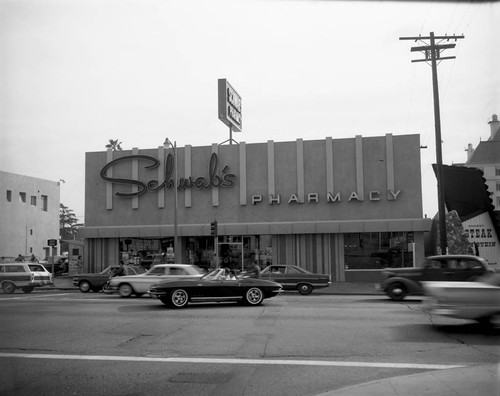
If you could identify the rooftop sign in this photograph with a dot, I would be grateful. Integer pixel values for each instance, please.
(229, 105)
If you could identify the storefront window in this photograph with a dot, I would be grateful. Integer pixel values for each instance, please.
(374, 250)
(200, 251)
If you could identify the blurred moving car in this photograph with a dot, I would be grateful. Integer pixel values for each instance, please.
(23, 275)
(478, 300)
(140, 284)
(214, 286)
(96, 281)
(400, 282)
(292, 277)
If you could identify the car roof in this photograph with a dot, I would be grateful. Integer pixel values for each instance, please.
(454, 256)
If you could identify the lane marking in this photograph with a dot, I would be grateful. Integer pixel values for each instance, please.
(324, 363)
(32, 296)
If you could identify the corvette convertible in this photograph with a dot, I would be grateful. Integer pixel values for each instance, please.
(214, 286)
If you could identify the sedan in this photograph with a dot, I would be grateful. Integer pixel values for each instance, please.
(95, 282)
(478, 300)
(292, 277)
(214, 286)
(140, 284)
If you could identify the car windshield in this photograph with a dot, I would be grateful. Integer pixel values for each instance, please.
(36, 268)
(136, 270)
(215, 274)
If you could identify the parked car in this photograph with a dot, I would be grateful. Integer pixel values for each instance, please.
(23, 275)
(140, 284)
(478, 300)
(96, 281)
(7, 259)
(292, 277)
(214, 287)
(400, 282)
(60, 263)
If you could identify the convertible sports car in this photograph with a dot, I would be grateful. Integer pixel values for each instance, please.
(478, 300)
(214, 286)
(292, 277)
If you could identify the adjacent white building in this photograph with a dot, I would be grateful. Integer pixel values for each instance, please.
(29, 215)
(486, 156)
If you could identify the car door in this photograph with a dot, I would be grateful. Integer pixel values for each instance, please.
(142, 283)
(439, 270)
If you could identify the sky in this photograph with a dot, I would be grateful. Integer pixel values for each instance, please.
(74, 74)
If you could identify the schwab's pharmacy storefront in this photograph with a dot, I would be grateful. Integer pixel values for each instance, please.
(347, 207)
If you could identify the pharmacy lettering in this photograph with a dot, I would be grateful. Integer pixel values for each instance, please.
(214, 179)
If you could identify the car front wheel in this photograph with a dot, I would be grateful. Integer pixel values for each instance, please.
(179, 298)
(84, 286)
(8, 287)
(254, 296)
(27, 289)
(396, 291)
(304, 289)
(125, 290)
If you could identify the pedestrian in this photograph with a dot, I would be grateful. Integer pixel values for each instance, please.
(79, 264)
(19, 258)
(254, 272)
(33, 259)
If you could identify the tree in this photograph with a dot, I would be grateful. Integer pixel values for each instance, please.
(114, 145)
(68, 224)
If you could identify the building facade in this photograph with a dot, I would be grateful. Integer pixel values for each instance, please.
(347, 207)
(29, 215)
(486, 156)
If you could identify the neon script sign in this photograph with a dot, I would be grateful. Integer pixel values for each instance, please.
(214, 179)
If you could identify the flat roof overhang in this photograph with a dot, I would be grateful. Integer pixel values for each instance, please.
(278, 228)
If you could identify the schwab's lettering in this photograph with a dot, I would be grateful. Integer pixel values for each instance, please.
(214, 179)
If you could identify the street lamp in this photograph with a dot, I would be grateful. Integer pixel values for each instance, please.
(168, 144)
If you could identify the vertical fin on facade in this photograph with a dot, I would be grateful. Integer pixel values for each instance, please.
(215, 190)
(161, 176)
(389, 164)
(271, 186)
(243, 173)
(135, 176)
(188, 172)
(300, 171)
(329, 165)
(360, 183)
(109, 186)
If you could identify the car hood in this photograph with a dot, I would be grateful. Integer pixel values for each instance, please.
(88, 275)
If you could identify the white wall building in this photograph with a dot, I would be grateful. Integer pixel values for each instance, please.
(486, 157)
(29, 215)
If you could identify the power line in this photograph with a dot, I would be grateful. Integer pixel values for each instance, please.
(433, 54)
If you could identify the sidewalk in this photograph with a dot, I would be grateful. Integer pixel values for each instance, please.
(465, 381)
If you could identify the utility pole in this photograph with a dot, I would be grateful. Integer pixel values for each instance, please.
(432, 52)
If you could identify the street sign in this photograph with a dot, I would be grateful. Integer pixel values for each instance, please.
(52, 242)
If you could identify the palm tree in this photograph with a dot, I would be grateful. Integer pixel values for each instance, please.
(114, 145)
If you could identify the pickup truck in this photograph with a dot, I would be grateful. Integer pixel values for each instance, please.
(397, 283)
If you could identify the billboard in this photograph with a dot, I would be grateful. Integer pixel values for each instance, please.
(229, 105)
